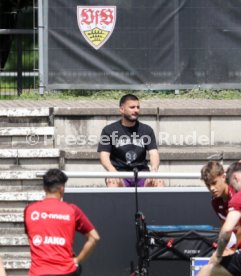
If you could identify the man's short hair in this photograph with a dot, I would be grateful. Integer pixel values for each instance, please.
(128, 97)
(210, 171)
(234, 167)
(53, 179)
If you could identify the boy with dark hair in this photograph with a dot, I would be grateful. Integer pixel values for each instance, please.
(51, 224)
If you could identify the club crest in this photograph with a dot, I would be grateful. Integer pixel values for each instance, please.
(96, 23)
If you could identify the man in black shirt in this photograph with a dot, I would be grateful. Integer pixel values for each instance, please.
(124, 144)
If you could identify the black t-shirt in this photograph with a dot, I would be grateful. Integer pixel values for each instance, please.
(127, 145)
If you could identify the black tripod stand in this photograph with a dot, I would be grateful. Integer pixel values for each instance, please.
(142, 268)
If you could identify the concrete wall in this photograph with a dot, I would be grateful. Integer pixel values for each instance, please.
(186, 140)
(187, 137)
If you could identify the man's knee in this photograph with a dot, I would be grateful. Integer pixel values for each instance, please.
(154, 183)
(113, 182)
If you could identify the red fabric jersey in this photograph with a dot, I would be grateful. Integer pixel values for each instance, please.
(220, 206)
(235, 202)
(50, 225)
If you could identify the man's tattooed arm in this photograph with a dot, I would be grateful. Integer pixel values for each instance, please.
(223, 240)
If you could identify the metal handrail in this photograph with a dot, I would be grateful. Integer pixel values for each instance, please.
(171, 175)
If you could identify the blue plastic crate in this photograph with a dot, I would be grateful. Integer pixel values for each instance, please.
(197, 263)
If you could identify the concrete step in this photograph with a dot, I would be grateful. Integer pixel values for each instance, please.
(19, 175)
(21, 185)
(27, 137)
(29, 153)
(11, 227)
(12, 215)
(26, 131)
(25, 112)
(14, 247)
(11, 240)
(16, 260)
(18, 200)
(21, 196)
(10, 255)
(31, 159)
(17, 272)
(16, 264)
(26, 117)
(9, 230)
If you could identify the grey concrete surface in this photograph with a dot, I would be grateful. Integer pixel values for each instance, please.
(189, 132)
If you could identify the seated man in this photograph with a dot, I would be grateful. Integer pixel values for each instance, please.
(123, 146)
(220, 265)
(214, 178)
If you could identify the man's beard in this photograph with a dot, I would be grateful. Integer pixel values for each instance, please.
(130, 119)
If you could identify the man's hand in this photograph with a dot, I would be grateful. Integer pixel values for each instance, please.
(228, 251)
(76, 261)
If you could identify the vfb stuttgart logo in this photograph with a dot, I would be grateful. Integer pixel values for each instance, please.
(96, 23)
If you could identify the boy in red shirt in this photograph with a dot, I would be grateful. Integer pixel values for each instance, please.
(50, 225)
(214, 177)
(227, 265)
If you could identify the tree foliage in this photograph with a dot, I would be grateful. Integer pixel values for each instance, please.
(14, 5)
(8, 10)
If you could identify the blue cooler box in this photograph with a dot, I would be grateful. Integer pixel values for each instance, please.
(197, 263)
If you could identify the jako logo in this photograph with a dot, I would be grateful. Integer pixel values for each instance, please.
(38, 240)
(54, 241)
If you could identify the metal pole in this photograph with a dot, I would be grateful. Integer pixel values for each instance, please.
(41, 47)
(135, 171)
(19, 64)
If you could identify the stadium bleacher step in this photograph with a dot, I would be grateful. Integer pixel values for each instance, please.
(18, 199)
(15, 231)
(12, 240)
(29, 153)
(16, 260)
(31, 159)
(25, 112)
(26, 131)
(13, 215)
(19, 175)
(21, 196)
(29, 137)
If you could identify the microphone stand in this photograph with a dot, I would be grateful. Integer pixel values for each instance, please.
(141, 235)
(135, 170)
